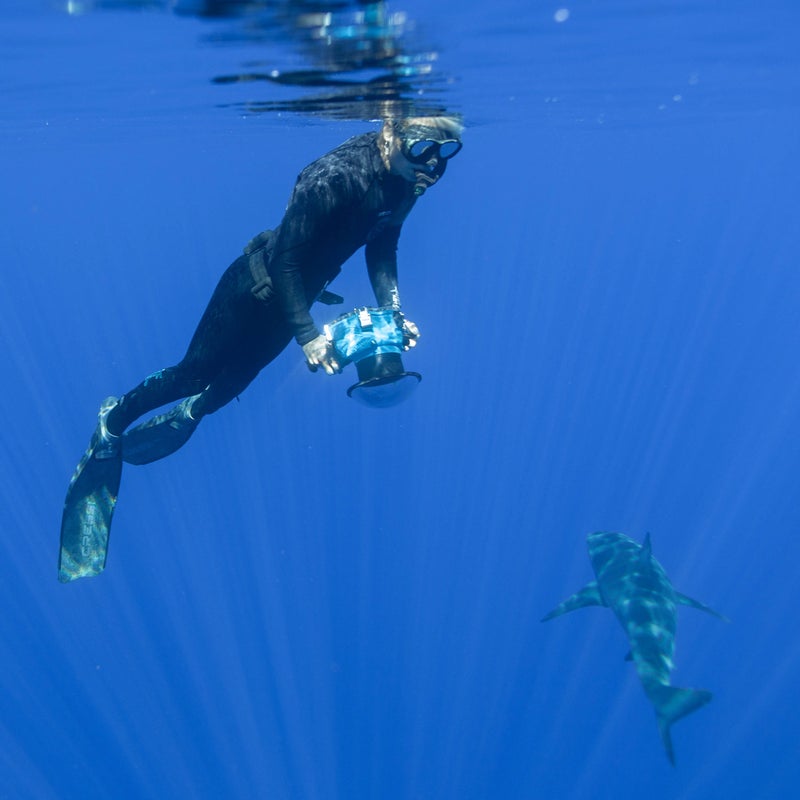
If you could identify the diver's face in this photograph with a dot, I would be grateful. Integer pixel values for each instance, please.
(401, 166)
(419, 155)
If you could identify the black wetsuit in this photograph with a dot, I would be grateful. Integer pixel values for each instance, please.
(342, 201)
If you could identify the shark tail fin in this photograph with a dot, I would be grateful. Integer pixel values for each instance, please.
(671, 704)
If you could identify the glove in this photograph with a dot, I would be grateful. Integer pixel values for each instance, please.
(319, 353)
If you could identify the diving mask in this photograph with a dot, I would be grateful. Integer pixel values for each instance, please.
(420, 151)
(420, 143)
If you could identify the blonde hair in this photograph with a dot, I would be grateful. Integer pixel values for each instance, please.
(451, 127)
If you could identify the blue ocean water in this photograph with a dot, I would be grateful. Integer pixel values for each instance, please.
(317, 600)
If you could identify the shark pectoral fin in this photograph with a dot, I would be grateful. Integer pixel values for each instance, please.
(684, 600)
(672, 703)
(588, 596)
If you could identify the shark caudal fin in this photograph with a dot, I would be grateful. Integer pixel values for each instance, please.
(672, 703)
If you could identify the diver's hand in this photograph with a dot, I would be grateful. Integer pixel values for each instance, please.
(319, 353)
(410, 334)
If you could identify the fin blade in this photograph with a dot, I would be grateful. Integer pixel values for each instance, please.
(86, 520)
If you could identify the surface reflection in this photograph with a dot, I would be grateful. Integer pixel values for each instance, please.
(352, 60)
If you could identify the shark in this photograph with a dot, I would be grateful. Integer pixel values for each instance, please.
(636, 588)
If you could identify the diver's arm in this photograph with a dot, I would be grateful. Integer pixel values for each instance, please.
(287, 278)
(381, 255)
(292, 249)
(315, 202)
(288, 282)
(319, 197)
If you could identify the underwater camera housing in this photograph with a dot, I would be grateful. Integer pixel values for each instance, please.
(372, 339)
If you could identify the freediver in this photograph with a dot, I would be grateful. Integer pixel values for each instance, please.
(359, 194)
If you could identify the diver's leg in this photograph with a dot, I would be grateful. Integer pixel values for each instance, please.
(263, 334)
(230, 383)
(216, 340)
(263, 346)
(92, 492)
(94, 487)
(162, 435)
(237, 336)
(159, 389)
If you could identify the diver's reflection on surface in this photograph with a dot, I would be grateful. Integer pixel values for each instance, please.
(365, 58)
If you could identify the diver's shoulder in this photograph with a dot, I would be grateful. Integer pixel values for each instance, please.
(357, 142)
(351, 164)
(361, 149)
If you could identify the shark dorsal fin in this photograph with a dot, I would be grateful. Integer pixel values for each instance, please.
(645, 551)
(588, 596)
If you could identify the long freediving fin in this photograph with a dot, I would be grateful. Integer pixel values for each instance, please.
(89, 506)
